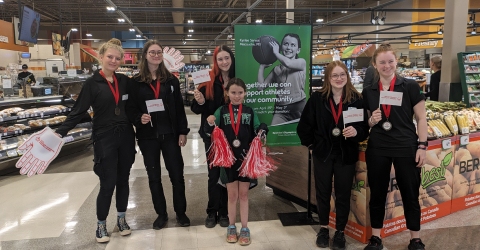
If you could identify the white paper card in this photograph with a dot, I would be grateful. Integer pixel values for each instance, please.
(200, 76)
(7, 83)
(353, 115)
(155, 105)
(391, 98)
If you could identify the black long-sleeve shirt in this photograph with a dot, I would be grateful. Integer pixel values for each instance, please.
(26, 74)
(434, 86)
(97, 94)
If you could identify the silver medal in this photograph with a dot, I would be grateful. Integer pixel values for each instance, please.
(387, 125)
(236, 143)
(336, 132)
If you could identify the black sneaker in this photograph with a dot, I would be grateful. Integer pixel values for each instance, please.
(375, 243)
(101, 233)
(323, 237)
(338, 241)
(416, 244)
(160, 222)
(223, 221)
(211, 220)
(183, 220)
(123, 227)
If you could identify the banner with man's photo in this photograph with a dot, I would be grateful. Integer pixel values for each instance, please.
(274, 62)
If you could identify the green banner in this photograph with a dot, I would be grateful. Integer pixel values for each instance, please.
(274, 62)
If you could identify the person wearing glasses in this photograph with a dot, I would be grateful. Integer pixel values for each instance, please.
(334, 146)
(112, 134)
(164, 130)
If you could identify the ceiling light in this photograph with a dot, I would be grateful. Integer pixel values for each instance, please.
(184, 42)
(382, 21)
(208, 52)
(319, 20)
(190, 30)
(189, 35)
(109, 8)
(131, 29)
(1, 1)
(440, 30)
(121, 20)
(139, 35)
(472, 18)
(409, 40)
(190, 21)
(88, 34)
(324, 45)
(258, 21)
(72, 29)
(474, 31)
(344, 11)
(373, 18)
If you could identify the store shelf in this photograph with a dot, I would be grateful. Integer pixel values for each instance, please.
(467, 77)
(471, 63)
(472, 72)
(21, 100)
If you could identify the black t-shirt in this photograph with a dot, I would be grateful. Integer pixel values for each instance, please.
(23, 75)
(402, 139)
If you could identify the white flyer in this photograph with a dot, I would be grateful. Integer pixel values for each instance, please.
(352, 115)
(391, 98)
(200, 76)
(155, 105)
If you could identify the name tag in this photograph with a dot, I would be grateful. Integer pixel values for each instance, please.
(125, 97)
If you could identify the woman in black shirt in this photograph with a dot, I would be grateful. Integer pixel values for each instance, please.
(162, 131)
(394, 140)
(435, 66)
(208, 98)
(113, 136)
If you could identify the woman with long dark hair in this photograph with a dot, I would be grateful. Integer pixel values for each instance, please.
(162, 131)
(209, 97)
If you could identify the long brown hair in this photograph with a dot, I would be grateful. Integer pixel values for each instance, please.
(216, 71)
(144, 74)
(349, 92)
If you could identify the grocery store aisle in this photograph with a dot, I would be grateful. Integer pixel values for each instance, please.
(56, 210)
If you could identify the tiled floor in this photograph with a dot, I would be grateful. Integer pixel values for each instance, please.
(56, 210)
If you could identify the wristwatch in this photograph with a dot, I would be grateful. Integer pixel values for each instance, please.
(423, 143)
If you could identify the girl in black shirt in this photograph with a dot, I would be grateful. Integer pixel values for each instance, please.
(113, 136)
(162, 131)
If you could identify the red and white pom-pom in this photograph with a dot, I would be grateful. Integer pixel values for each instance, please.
(257, 163)
(221, 154)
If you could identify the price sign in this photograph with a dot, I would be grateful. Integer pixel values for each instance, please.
(7, 83)
(447, 144)
(464, 140)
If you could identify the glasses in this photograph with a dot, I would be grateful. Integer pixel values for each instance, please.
(155, 53)
(335, 77)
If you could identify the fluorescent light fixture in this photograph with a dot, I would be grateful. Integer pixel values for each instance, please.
(139, 35)
(190, 21)
(344, 11)
(324, 45)
(208, 52)
(440, 30)
(190, 30)
(319, 20)
(121, 20)
(131, 29)
(72, 29)
(382, 21)
(474, 31)
(258, 21)
(184, 42)
(88, 34)
(109, 8)
(189, 35)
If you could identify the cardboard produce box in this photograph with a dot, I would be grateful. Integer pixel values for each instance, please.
(466, 173)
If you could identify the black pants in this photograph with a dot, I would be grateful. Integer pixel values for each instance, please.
(323, 172)
(172, 154)
(217, 195)
(408, 180)
(114, 154)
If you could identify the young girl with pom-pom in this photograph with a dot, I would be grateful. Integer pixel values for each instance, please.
(240, 125)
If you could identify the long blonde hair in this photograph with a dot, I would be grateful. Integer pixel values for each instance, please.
(349, 92)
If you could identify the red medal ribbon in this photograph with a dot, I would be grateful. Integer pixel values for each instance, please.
(336, 116)
(236, 127)
(115, 92)
(156, 90)
(386, 108)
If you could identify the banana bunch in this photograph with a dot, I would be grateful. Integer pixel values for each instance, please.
(451, 122)
(463, 124)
